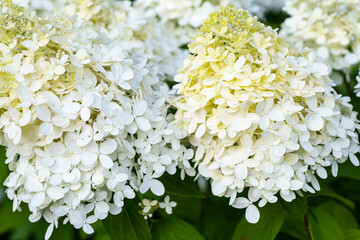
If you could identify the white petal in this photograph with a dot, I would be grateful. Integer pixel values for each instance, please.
(55, 193)
(296, 185)
(252, 214)
(144, 187)
(125, 118)
(88, 229)
(46, 128)
(25, 118)
(37, 199)
(218, 188)
(33, 185)
(200, 131)
(89, 158)
(241, 171)
(108, 146)
(58, 70)
(143, 123)
(277, 113)
(72, 107)
(140, 108)
(354, 160)
(321, 172)
(49, 231)
(315, 122)
(106, 161)
(157, 187)
(43, 113)
(85, 113)
(282, 183)
(241, 202)
(102, 207)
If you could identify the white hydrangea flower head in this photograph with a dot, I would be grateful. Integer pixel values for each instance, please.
(125, 23)
(262, 115)
(330, 27)
(42, 7)
(182, 17)
(84, 118)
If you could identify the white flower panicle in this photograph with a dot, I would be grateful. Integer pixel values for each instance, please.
(262, 115)
(125, 24)
(181, 17)
(83, 116)
(42, 7)
(330, 27)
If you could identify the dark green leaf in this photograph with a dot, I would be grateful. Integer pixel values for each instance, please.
(174, 229)
(352, 234)
(217, 214)
(271, 220)
(297, 207)
(294, 226)
(323, 226)
(185, 193)
(129, 224)
(336, 197)
(17, 218)
(184, 188)
(3, 168)
(294, 220)
(348, 170)
(343, 215)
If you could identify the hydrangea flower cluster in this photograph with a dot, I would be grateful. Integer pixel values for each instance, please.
(261, 114)
(331, 28)
(84, 117)
(41, 6)
(182, 17)
(125, 23)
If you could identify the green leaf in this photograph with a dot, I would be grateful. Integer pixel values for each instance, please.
(176, 187)
(271, 220)
(185, 193)
(336, 197)
(129, 224)
(294, 220)
(323, 226)
(348, 170)
(352, 234)
(3, 168)
(339, 212)
(294, 226)
(217, 214)
(297, 207)
(174, 229)
(17, 218)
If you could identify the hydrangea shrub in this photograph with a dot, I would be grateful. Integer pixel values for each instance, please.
(110, 123)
